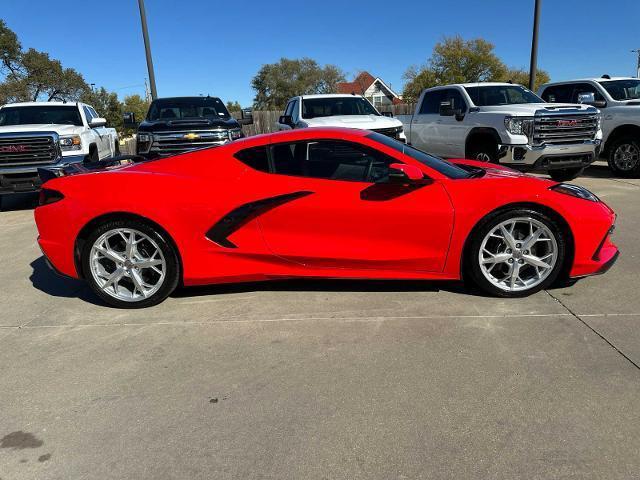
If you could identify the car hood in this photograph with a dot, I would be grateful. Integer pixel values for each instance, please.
(493, 171)
(47, 127)
(530, 109)
(187, 124)
(365, 122)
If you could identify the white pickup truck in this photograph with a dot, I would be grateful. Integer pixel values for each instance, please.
(618, 99)
(505, 123)
(49, 134)
(338, 110)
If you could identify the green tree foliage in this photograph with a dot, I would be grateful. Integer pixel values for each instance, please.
(456, 60)
(233, 106)
(10, 49)
(275, 83)
(137, 105)
(521, 76)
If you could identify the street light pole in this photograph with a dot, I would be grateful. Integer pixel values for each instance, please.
(534, 46)
(637, 52)
(147, 49)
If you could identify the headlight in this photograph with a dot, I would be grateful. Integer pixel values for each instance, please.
(70, 142)
(519, 125)
(235, 134)
(575, 191)
(144, 142)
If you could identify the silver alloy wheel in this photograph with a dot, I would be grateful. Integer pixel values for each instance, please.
(127, 264)
(518, 254)
(626, 157)
(483, 157)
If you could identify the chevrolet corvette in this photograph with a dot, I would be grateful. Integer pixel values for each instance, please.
(330, 203)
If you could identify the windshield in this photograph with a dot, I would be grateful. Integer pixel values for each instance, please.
(328, 107)
(182, 108)
(622, 89)
(41, 114)
(439, 165)
(492, 95)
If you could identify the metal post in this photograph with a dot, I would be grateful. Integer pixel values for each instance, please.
(637, 51)
(147, 49)
(534, 46)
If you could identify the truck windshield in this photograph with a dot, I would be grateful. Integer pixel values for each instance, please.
(184, 108)
(492, 95)
(41, 114)
(329, 107)
(439, 165)
(622, 89)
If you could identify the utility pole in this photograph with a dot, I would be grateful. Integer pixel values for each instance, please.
(147, 49)
(637, 52)
(534, 46)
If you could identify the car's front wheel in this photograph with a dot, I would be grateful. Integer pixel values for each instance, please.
(130, 264)
(516, 253)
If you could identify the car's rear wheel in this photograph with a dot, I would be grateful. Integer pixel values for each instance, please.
(130, 264)
(516, 253)
(566, 174)
(624, 157)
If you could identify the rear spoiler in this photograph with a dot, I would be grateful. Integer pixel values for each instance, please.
(111, 163)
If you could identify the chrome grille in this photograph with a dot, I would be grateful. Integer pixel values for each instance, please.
(392, 132)
(21, 149)
(173, 143)
(564, 128)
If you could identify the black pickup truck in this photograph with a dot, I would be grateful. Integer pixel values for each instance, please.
(180, 124)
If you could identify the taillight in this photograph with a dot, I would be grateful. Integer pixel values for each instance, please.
(48, 196)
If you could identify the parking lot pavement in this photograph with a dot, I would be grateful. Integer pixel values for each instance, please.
(321, 379)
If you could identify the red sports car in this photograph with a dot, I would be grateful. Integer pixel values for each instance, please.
(314, 202)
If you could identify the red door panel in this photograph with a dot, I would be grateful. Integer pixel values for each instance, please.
(357, 225)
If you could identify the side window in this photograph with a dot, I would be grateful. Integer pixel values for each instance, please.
(456, 97)
(87, 114)
(579, 88)
(294, 111)
(255, 158)
(93, 112)
(289, 109)
(431, 102)
(330, 159)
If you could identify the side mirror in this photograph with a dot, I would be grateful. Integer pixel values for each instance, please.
(246, 116)
(129, 120)
(285, 120)
(97, 122)
(403, 172)
(387, 114)
(589, 98)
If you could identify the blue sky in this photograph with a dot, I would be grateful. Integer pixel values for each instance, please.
(215, 47)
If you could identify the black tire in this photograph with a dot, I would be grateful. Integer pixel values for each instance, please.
(625, 167)
(473, 271)
(116, 148)
(485, 150)
(566, 174)
(172, 273)
(93, 155)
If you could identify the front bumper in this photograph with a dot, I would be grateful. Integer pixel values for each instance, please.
(549, 157)
(26, 179)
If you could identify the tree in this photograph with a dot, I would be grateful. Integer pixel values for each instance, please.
(137, 105)
(521, 76)
(233, 106)
(455, 60)
(10, 49)
(106, 104)
(275, 83)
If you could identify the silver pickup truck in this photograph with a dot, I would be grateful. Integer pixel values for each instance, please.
(505, 123)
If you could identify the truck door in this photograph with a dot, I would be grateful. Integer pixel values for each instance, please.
(452, 130)
(424, 124)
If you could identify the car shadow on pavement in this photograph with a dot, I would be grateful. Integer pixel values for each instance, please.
(327, 285)
(598, 171)
(46, 280)
(18, 201)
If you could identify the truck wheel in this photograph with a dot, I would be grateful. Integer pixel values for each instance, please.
(566, 174)
(484, 151)
(624, 157)
(93, 155)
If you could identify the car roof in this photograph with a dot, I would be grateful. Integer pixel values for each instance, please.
(580, 80)
(476, 84)
(328, 95)
(36, 104)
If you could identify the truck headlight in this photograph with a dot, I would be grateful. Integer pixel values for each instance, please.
(70, 142)
(235, 134)
(519, 125)
(143, 142)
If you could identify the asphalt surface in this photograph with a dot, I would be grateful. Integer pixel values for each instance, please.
(322, 379)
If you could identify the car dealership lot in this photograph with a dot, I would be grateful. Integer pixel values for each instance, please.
(321, 379)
